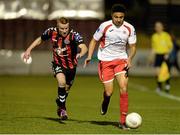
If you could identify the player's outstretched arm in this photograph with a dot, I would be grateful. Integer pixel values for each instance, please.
(92, 45)
(35, 43)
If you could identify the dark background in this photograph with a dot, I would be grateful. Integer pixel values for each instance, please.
(19, 33)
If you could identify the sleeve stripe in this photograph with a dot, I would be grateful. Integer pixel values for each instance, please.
(128, 28)
(104, 34)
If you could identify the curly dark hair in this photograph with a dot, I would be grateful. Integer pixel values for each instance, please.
(118, 8)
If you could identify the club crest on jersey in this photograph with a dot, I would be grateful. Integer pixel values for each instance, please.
(124, 32)
(66, 41)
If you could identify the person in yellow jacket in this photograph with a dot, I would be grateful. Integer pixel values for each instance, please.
(162, 45)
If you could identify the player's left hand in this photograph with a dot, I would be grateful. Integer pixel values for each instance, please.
(129, 64)
(166, 56)
(86, 62)
(78, 56)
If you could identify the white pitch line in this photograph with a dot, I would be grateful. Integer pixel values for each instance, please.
(162, 94)
(168, 96)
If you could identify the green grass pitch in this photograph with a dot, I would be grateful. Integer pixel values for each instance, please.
(27, 106)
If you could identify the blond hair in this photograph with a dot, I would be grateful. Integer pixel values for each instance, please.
(63, 20)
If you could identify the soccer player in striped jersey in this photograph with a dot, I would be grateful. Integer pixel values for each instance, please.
(115, 37)
(65, 43)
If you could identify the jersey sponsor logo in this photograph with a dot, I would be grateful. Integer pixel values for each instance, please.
(119, 42)
(59, 51)
(116, 46)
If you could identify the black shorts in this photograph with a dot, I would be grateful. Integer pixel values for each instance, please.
(69, 73)
(159, 59)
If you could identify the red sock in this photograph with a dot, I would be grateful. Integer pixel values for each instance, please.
(123, 107)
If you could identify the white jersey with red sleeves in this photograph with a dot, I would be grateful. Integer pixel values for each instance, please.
(114, 40)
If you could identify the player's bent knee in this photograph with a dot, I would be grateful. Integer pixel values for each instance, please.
(108, 93)
(123, 90)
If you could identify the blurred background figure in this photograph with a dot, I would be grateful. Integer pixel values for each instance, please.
(173, 57)
(162, 45)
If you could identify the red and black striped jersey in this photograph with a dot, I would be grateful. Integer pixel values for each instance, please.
(64, 48)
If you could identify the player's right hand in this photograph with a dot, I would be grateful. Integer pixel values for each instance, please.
(86, 62)
(26, 55)
(166, 56)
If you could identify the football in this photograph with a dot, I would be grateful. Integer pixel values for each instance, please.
(26, 61)
(133, 120)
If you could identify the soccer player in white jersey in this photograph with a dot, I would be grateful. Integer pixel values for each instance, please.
(115, 36)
